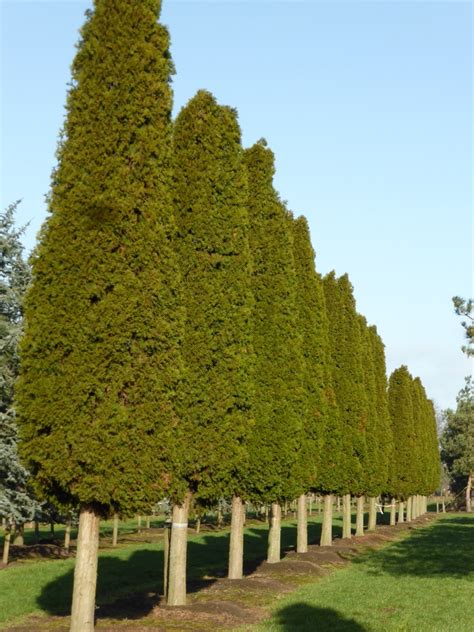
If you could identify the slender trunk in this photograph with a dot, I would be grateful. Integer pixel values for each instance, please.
(274, 535)
(19, 536)
(338, 504)
(409, 507)
(302, 534)
(219, 517)
(67, 534)
(360, 516)
(139, 524)
(147, 523)
(468, 493)
(326, 530)
(236, 545)
(437, 506)
(401, 509)
(198, 524)
(346, 516)
(393, 512)
(319, 505)
(166, 557)
(372, 514)
(177, 560)
(37, 531)
(6, 545)
(311, 505)
(115, 529)
(51, 527)
(85, 572)
(443, 505)
(285, 509)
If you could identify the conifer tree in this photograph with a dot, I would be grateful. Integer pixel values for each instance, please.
(212, 243)
(312, 324)
(348, 379)
(100, 356)
(16, 503)
(275, 439)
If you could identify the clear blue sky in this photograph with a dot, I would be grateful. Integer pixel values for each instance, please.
(368, 106)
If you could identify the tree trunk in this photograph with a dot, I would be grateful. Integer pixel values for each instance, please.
(302, 534)
(274, 535)
(37, 531)
(393, 512)
(409, 506)
(51, 528)
(468, 493)
(6, 545)
(85, 572)
(360, 516)
(372, 514)
(115, 529)
(147, 523)
(236, 545)
(219, 517)
(198, 524)
(338, 504)
(326, 531)
(311, 505)
(166, 557)
(139, 524)
(401, 508)
(19, 537)
(178, 549)
(346, 516)
(67, 534)
(443, 504)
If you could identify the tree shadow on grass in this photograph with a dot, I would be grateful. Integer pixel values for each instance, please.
(301, 617)
(442, 549)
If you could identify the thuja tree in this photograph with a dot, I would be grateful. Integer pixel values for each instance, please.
(16, 503)
(100, 360)
(403, 467)
(349, 385)
(276, 435)
(210, 197)
(383, 431)
(457, 443)
(318, 403)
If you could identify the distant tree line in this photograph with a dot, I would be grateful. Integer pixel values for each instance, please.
(178, 340)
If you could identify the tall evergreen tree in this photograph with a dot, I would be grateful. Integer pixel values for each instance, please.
(276, 436)
(100, 356)
(16, 503)
(213, 248)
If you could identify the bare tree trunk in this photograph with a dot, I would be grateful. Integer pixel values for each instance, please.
(166, 557)
(139, 524)
(326, 531)
(311, 505)
(338, 504)
(85, 572)
(37, 531)
(401, 509)
(274, 535)
(443, 504)
(178, 549)
(6, 545)
(115, 529)
(19, 535)
(360, 516)
(67, 534)
(302, 533)
(393, 512)
(372, 514)
(236, 545)
(468, 492)
(198, 524)
(409, 506)
(346, 516)
(147, 523)
(437, 506)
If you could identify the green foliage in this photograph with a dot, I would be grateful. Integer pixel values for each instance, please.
(16, 504)
(349, 381)
(464, 307)
(457, 439)
(275, 440)
(212, 243)
(100, 361)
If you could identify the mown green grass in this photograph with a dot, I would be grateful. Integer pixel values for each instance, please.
(40, 586)
(424, 582)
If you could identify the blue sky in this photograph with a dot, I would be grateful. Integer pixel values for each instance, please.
(368, 107)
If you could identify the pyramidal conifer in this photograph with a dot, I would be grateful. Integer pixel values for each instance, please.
(100, 356)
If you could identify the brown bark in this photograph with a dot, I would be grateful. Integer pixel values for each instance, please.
(236, 545)
(326, 530)
(468, 492)
(177, 556)
(346, 516)
(302, 532)
(115, 529)
(37, 531)
(274, 534)
(401, 508)
(393, 512)
(67, 534)
(360, 516)
(85, 571)
(6, 545)
(372, 514)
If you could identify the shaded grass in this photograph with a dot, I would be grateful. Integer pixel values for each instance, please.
(423, 582)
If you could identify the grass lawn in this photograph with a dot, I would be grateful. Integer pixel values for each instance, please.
(424, 582)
